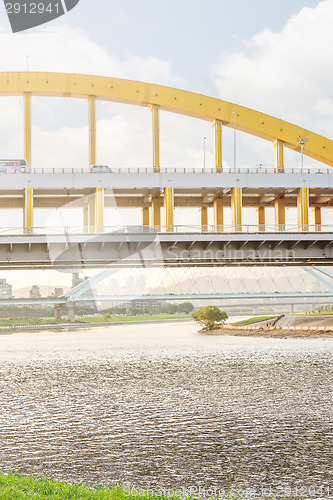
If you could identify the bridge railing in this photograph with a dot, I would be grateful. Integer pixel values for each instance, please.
(176, 229)
(168, 170)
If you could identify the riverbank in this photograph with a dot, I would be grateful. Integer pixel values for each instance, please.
(86, 325)
(16, 487)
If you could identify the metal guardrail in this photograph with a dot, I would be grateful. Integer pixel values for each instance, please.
(188, 170)
(177, 229)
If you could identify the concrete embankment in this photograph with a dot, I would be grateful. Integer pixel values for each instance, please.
(290, 326)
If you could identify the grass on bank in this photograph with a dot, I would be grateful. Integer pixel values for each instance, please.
(28, 321)
(141, 317)
(252, 320)
(14, 487)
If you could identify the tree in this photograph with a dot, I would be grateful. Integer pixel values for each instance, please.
(186, 307)
(210, 317)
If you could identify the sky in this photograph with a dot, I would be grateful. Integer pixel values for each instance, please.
(273, 57)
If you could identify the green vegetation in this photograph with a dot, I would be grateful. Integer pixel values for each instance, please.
(27, 321)
(252, 320)
(210, 317)
(107, 318)
(13, 487)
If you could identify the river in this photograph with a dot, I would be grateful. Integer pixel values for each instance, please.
(161, 406)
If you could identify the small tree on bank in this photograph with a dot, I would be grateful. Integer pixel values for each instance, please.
(210, 317)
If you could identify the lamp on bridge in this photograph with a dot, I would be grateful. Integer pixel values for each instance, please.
(302, 142)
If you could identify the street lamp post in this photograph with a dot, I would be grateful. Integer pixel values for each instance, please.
(302, 142)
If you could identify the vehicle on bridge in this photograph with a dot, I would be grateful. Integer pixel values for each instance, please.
(13, 166)
(100, 168)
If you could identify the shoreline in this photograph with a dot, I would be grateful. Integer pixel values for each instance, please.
(83, 325)
(270, 332)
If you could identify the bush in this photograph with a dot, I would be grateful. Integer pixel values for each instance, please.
(210, 317)
(107, 317)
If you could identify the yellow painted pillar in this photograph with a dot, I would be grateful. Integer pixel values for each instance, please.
(99, 198)
(156, 212)
(218, 212)
(92, 213)
(261, 219)
(217, 127)
(156, 138)
(96, 217)
(204, 218)
(280, 212)
(278, 156)
(86, 219)
(169, 208)
(145, 216)
(28, 205)
(303, 209)
(92, 130)
(236, 208)
(316, 218)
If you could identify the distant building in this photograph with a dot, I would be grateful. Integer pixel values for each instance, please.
(142, 304)
(34, 292)
(6, 290)
(58, 292)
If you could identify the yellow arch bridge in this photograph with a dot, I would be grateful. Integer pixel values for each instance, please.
(156, 188)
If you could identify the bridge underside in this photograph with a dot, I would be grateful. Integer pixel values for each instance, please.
(150, 250)
(127, 198)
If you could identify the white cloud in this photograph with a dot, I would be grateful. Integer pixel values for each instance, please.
(287, 73)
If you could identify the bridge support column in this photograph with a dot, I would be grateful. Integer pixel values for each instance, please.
(261, 220)
(99, 196)
(57, 312)
(316, 218)
(156, 212)
(71, 311)
(145, 216)
(236, 208)
(169, 208)
(204, 218)
(254, 310)
(86, 219)
(28, 205)
(156, 138)
(291, 308)
(278, 156)
(303, 209)
(92, 213)
(280, 212)
(218, 205)
(217, 127)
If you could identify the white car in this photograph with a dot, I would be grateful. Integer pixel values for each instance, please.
(100, 168)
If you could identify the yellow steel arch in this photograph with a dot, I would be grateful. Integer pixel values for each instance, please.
(169, 99)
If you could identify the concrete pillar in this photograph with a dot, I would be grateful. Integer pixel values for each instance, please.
(291, 308)
(303, 209)
(218, 212)
(57, 312)
(217, 128)
(28, 204)
(316, 218)
(71, 311)
(236, 208)
(278, 156)
(156, 138)
(254, 310)
(280, 212)
(204, 218)
(261, 220)
(156, 212)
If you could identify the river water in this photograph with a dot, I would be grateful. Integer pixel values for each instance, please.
(161, 406)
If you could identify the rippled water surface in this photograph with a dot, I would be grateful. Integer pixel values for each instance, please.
(162, 406)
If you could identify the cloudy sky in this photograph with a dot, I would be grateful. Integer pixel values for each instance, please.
(274, 57)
